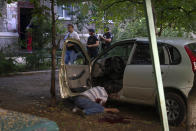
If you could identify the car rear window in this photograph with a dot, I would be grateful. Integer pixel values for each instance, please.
(174, 54)
(192, 47)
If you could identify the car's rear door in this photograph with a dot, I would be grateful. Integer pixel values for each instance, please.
(74, 73)
(180, 74)
(139, 83)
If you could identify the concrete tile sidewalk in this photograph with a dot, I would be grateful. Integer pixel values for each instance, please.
(13, 121)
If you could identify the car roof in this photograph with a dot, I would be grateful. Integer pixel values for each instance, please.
(176, 41)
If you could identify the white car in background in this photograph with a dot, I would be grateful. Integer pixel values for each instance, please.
(126, 68)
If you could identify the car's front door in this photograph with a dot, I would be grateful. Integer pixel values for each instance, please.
(74, 73)
(139, 82)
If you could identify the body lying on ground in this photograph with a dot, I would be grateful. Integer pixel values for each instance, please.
(92, 101)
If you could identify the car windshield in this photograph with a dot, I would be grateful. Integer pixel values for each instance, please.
(192, 47)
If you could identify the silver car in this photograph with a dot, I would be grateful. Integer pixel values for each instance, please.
(126, 68)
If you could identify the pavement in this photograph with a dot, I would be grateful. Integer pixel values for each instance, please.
(10, 121)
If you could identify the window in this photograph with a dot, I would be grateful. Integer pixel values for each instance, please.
(64, 12)
(142, 55)
(74, 55)
(175, 57)
(122, 50)
(192, 47)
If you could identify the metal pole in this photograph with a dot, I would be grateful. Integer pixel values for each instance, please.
(156, 64)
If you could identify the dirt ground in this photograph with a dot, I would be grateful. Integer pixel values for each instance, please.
(30, 94)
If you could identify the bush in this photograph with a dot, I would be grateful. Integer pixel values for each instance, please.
(130, 29)
(6, 65)
(40, 29)
(38, 60)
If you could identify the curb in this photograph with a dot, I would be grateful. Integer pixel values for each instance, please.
(27, 73)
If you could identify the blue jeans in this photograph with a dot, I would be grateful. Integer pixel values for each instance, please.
(70, 56)
(89, 107)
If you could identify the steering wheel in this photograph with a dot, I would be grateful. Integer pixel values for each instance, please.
(114, 65)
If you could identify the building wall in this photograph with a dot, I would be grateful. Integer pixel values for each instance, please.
(3, 11)
(12, 22)
(6, 38)
(9, 24)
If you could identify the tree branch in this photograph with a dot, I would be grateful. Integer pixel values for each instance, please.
(121, 1)
(179, 8)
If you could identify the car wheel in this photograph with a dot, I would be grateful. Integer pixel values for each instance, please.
(176, 108)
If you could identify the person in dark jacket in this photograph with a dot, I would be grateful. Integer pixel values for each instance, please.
(92, 44)
(106, 39)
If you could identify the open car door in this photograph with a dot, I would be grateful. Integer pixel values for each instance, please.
(74, 73)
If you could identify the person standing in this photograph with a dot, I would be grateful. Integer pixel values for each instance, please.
(106, 39)
(31, 27)
(92, 44)
(71, 55)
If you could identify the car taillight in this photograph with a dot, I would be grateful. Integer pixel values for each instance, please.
(192, 57)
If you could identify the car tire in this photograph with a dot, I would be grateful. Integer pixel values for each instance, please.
(176, 108)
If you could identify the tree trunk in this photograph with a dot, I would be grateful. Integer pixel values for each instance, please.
(191, 108)
(155, 18)
(53, 72)
(160, 31)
